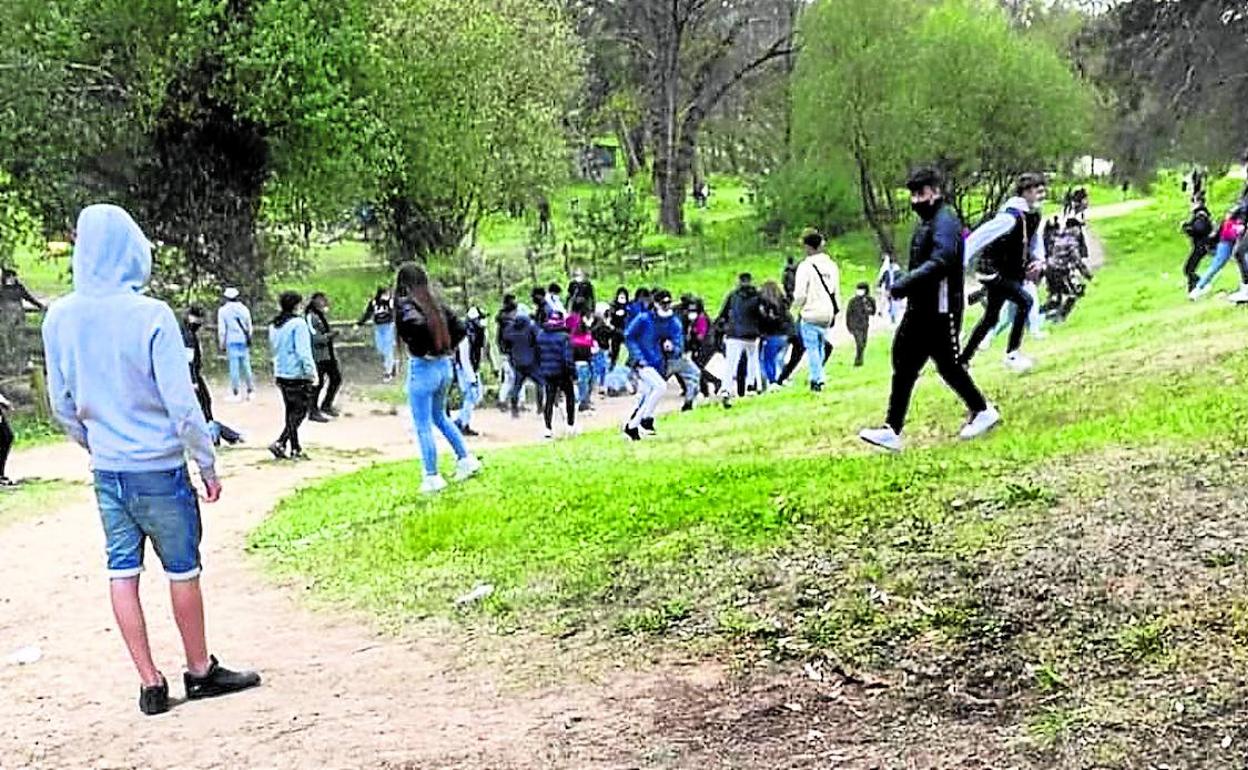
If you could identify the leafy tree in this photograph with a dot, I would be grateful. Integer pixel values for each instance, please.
(611, 224)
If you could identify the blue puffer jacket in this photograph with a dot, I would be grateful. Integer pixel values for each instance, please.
(554, 353)
(645, 337)
(518, 343)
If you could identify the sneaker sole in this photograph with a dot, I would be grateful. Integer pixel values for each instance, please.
(223, 693)
(878, 445)
(990, 429)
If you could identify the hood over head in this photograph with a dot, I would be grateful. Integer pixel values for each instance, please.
(111, 253)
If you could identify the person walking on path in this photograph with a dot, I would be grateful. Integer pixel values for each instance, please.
(619, 322)
(327, 369)
(520, 345)
(6, 442)
(294, 368)
(653, 337)
(234, 332)
(817, 298)
(118, 384)
(890, 271)
(580, 334)
(741, 316)
(930, 328)
(1010, 248)
(380, 311)
(192, 322)
(1199, 228)
(858, 319)
(507, 374)
(468, 355)
(557, 368)
(776, 328)
(430, 331)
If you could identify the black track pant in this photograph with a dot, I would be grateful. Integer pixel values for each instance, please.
(523, 376)
(860, 342)
(919, 338)
(296, 395)
(326, 370)
(1000, 291)
(554, 386)
(6, 444)
(1199, 251)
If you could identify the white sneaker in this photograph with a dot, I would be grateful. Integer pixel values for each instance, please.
(467, 468)
(1240, 296)
(234, 398)
(884, 438)
(980, 424)
(548, 434)
(1018, 363)
(432, 485)
(574, 430)
(1197, 293)
(251, 395)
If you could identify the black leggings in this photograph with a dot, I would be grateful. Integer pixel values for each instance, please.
(326, 370)
(523, 376)
(296, 395)
(1000, 291)
(932, 336)
(6, 444)
(1200, 250)
(617, 342)
(554, 386)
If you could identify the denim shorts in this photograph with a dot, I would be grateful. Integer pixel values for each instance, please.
(160, 505)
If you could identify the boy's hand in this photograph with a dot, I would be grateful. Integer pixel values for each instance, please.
(212, 491)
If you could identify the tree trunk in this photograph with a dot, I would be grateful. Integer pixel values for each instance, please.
(870, 206)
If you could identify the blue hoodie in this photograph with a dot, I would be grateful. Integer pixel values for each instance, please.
(117, 375)
(645, 337)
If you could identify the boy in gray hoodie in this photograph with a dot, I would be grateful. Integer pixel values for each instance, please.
(118, 382)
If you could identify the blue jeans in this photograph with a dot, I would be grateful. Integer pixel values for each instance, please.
(813, 337)
(599, 364)
(471, 391)
(773, 348)
(1221, 256)
(239, 356)
(160, 505)
(383, 338)
(428, 380)
(584, 383)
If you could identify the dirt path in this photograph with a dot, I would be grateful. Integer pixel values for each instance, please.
(337, 694)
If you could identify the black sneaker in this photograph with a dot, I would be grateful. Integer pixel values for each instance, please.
(278, 452)
(648, 425)
(331, 411)
(726, 401)
(816, 387)
(154, 700)
(318, 417)
(218, 681)
(467, 430)
(299, 456)
(687, 407)
(632, 434)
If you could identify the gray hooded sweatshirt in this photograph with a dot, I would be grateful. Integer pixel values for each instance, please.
(117, 375)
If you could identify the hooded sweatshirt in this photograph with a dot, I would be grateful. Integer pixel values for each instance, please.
(816, 290)
(117, 375)
(1011, 263)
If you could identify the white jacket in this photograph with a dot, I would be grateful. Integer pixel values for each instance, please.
(815, 303)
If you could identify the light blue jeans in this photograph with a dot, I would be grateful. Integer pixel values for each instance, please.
(584, 383)
(600, 365)
(773, 349)
(813, 337)
(471, 391)
(428, 380)
(383, 338)
(1221, 256)
(239, 356)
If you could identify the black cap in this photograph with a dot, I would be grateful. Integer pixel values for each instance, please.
(661, 296)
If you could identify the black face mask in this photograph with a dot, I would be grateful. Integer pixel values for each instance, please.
(195, 326)
(926, 209)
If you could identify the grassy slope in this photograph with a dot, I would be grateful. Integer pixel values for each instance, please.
(1124, 372)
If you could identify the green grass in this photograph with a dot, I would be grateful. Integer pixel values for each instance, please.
(32, 431)
(599, 534)
(32, 498)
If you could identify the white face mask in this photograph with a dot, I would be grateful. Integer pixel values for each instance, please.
(664, 313)
(862, 292)
(693, 316)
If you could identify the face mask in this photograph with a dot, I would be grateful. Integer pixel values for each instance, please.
(195, 326)
(862, 292)
(693, 316)
(664, 312)
(926, 209)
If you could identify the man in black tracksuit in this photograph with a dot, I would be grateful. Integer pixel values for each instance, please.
(1009, 246)
(933, 319)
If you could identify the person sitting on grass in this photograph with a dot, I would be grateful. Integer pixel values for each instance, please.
(118, 384)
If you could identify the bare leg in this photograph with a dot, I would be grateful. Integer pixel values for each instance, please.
(188, 611)
(128, 611)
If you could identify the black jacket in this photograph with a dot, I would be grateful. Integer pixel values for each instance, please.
(414, 330)
(741, 314)
(519, 342)
(1009, 255)
(581, 292)
(774, 320)
(858, 315)
(934, 283)
(380, 313)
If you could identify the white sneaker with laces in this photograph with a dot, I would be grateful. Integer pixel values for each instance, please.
(884, 438)
(1240, 296)
(1018, 363)
(981, 424)
(432, 485)
(467, 468)
(1198, 292)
